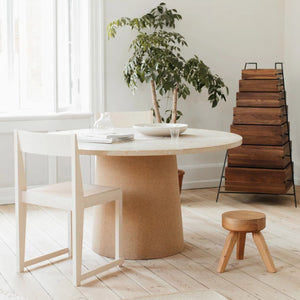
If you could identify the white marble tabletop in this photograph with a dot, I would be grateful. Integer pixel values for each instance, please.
(191, 141)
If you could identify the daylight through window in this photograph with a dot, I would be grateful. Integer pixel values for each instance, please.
(44, 56)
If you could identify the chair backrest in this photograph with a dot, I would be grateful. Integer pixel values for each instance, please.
(48, 144)
(129, 118)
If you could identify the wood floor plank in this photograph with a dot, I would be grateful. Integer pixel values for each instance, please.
(54, 282)
(176, 278)
(251, 260)
(286, 280)
(149, 280)
(112, 279)
(271, 232)
(193, 269)
(56, 278)
(24, 285)
(207, 277)
(90, 261)
(4, 286)
(151, 283)
(237, 272)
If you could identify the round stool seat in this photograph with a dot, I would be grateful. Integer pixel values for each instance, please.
(243, 221)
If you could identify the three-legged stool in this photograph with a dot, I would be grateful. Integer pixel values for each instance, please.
(239, 223)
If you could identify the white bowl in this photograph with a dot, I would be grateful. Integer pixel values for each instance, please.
(159, 129)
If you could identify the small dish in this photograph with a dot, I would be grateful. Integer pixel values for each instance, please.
(159, 129)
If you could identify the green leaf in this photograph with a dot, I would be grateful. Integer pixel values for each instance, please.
(155, 54)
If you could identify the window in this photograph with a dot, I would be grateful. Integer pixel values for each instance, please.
(44, 56)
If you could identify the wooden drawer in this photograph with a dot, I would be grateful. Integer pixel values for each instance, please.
(262, 74)
(252, 180)
(261, 85)
(259, 116)
(276, 157)
(262, 134)
(260, 99)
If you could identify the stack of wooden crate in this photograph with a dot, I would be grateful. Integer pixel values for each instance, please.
(263, 163)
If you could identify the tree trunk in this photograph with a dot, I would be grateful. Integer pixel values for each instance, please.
(155, 103)
(174, 104)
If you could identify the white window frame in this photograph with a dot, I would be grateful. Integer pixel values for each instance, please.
(77, 103)
(97, 56)
(66, 120)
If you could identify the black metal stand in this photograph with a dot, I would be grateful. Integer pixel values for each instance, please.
(290, 147)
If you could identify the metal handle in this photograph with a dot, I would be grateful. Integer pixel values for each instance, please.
(250, 63)
(280, 64)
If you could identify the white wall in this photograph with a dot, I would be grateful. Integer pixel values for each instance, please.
(292, 75)
(225, 34)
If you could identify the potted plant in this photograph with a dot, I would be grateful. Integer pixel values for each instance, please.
(156, 59)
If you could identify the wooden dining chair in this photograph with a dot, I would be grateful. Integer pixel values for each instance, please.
(71, 196)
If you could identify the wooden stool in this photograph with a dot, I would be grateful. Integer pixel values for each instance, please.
(239, 222)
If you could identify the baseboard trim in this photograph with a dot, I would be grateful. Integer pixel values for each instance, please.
(189, 182)
(189, 185)
(201, 166)
(201, 175)
(7, 195)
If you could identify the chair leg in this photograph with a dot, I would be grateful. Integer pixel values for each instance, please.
(118, 229)
(77, 234)
(21, 214)
(70, 233)
(227, 250)
(118, 261)
(264, 251)
(240, 246)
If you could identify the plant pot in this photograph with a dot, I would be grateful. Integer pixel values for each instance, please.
(180, 178)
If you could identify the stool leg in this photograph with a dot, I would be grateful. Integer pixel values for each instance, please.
(227, 250)
(240, 246)
(264, 251)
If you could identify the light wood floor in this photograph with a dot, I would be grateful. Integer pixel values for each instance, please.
(193, 269)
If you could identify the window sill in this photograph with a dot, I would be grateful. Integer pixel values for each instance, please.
(4, 117)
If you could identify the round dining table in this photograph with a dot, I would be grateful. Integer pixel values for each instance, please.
(146, 171)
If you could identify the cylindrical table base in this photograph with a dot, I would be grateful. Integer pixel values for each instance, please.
(152, 224)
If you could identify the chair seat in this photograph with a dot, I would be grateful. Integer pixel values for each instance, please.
(243, 221)
(60, 194)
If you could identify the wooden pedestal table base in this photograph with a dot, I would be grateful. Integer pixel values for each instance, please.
(146, 171)
(152, 224)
